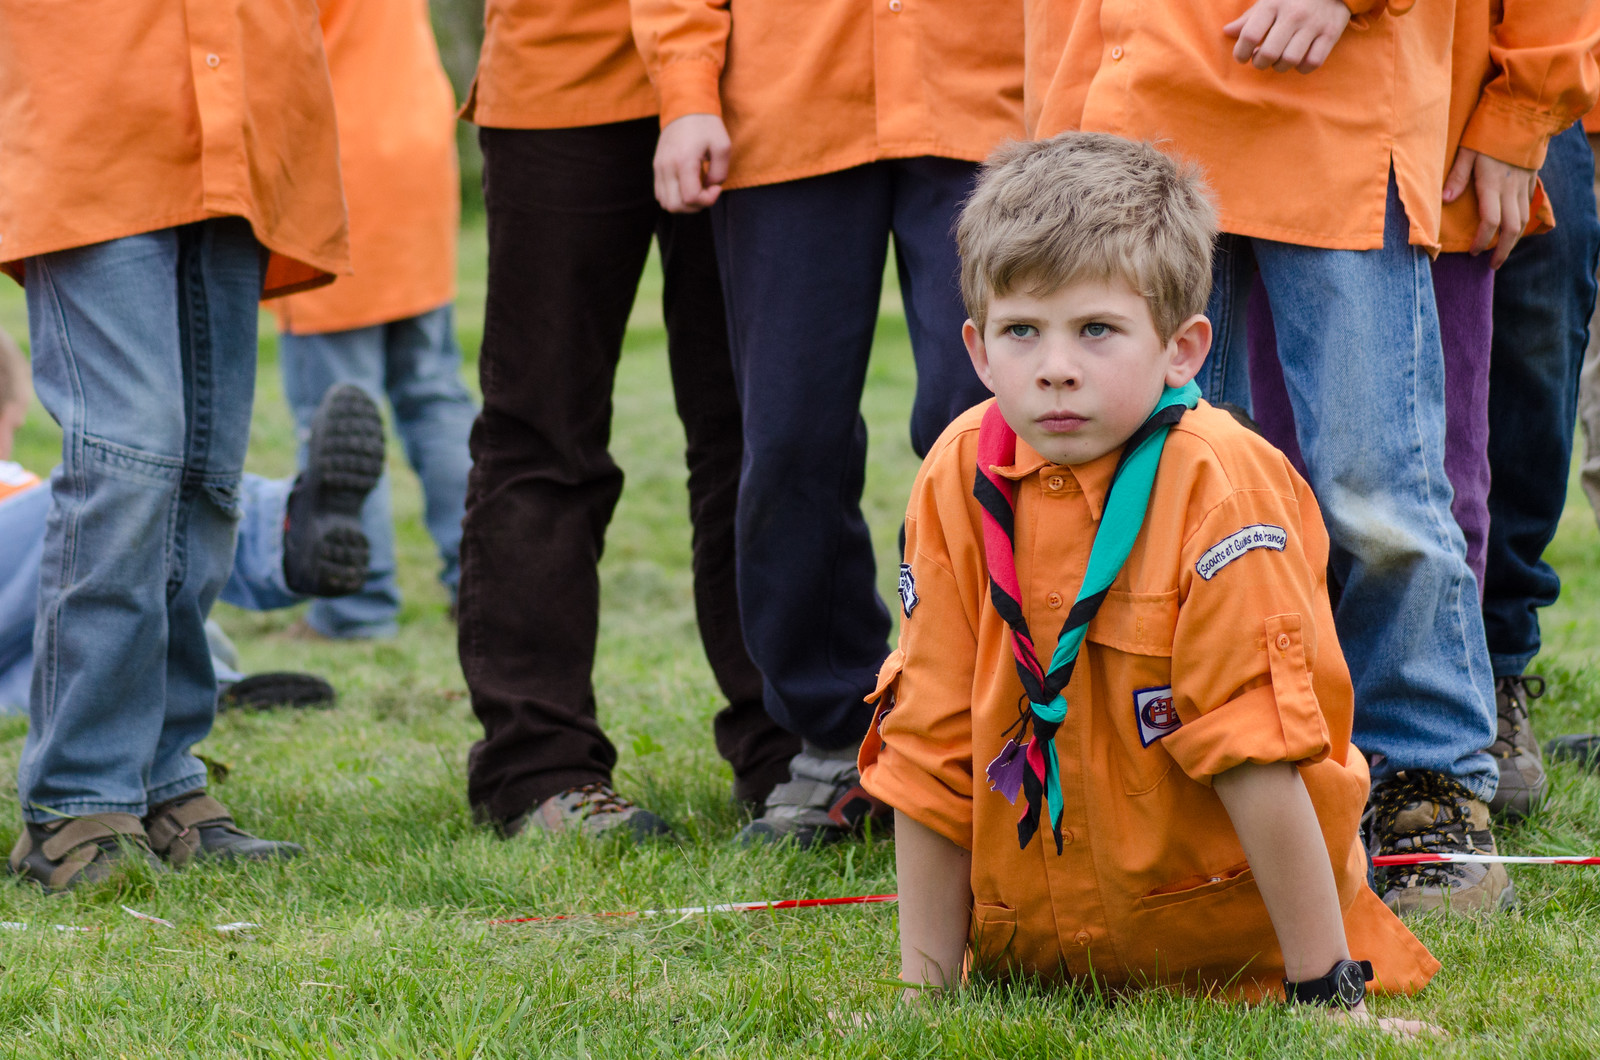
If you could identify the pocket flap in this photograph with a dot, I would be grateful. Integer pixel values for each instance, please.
(1137, 623)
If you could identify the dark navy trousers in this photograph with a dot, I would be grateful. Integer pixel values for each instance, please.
(1543, 296)
(802, 267)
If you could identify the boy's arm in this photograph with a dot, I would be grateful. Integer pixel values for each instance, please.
(684, 44)
(935, 905)
(1272, 813)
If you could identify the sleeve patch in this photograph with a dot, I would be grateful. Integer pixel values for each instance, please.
(1156, 715)
(1236, 544)
(908, 590)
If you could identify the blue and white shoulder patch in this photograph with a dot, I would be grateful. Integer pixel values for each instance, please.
(908, 590)
(1236, 544)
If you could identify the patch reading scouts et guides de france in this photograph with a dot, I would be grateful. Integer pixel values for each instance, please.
(1236, 544)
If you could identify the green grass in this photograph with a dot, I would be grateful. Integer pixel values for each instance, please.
(377, 943)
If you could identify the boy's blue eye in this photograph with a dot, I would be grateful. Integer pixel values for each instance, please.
(1019, 331)
(1097, 331)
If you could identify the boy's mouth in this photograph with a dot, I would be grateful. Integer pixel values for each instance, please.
(1060, 422)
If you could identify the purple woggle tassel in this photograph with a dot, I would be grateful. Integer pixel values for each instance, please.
(1005, 772)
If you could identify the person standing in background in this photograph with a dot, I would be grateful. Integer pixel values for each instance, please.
(390, 327)
(181, 167)
(817, 133)
(567, 122)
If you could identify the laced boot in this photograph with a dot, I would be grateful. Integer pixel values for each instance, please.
(1418, 811)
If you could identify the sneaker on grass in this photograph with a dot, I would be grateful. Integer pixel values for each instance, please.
(1419, 811)
(594, 809)
(325, 551)
(1523, 784)
(822, 802)
(1580, 747)
(65, 853)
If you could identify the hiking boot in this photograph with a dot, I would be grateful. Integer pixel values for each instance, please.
(276, 689)
(822, 802)
(1523, 784)
(1580, 747)
(62, 854)
(196, 827)
(324, 551)
(1419, 811)
(593, 809)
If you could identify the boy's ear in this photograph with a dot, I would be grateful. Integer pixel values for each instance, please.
(977, 352)
(1187, 349)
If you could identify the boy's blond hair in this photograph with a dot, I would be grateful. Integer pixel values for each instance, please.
(13, 372)
(1088, 206)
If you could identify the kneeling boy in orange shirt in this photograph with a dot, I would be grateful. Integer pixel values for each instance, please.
(1191, 820)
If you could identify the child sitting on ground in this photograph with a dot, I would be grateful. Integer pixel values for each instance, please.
(1191, 821)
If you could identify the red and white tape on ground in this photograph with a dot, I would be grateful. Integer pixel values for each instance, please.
(1386, 861)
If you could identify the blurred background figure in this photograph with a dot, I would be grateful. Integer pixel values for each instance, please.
(390, 327)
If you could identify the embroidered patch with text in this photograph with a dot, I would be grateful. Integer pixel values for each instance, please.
(1155, 712)
(908, 590)
(1236, 544)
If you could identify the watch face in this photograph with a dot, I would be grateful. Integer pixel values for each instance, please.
(1350, 984)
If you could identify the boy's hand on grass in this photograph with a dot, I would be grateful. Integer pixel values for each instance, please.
(1397, 1028)
(1505, 194)
(1288, 34)
(691, 163)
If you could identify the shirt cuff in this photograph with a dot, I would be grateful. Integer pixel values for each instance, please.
(689, 86)
(1510, 134)
(1251, 728)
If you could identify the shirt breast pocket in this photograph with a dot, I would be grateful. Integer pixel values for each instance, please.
(1130, 677)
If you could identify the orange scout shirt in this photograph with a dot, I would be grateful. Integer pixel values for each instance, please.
(397, 142)
(1299, 158)
(807, 87)
(1215, 646)
(14, 478)
(1523, 72)
(117, 119)
(557, 64)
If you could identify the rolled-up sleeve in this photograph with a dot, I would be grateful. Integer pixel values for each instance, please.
(1245, 645)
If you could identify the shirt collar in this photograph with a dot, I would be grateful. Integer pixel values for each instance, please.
(1092, 478)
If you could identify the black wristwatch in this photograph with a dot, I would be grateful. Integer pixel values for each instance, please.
(1345, 986)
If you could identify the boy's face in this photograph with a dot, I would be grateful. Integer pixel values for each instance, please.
(11, 416)
(1076, 371)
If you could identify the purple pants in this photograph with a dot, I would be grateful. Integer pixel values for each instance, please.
(1463, 286)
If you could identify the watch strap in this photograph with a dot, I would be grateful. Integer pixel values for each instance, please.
(1325, 991)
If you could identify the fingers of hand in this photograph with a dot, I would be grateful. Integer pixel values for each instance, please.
(1253, 29)
(1460, 173)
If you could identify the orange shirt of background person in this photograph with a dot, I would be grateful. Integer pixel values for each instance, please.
(558, 64)
(1201, 658)
(819, 86)
(1521, 73)
(1165, 72)
(396, 114)
(222, 108)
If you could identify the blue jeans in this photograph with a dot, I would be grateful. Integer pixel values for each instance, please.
(22, 520)
(1543, 296)
(802, 269)
(416, 363)
(144, 351)
(256, 582)
(1358, 340)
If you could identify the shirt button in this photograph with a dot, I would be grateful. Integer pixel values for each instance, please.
(1056, 482)
(1066, 837)
(895, 5)
(1283, 642)
(213, 61)
(1054, 599)
(1116, 54)
(1081, 938)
